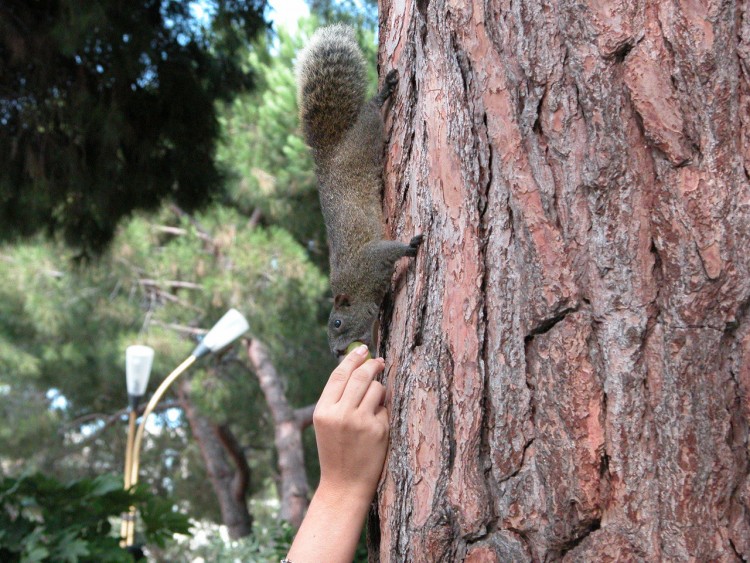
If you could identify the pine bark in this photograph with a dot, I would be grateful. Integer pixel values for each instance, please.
(569, 356)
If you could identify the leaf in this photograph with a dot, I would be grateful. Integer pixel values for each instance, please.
(70, 548)
(162, 521)
(38, 553)
(105, 484)
(72, 520)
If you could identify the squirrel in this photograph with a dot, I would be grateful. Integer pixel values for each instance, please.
(345, 133)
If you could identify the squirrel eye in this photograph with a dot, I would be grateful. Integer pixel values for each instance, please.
(337, 323)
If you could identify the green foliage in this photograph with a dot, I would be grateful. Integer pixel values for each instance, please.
(71, 327)
(63, 318)
(167, 276)
(267, 544)
(43, 519)
(109, 107)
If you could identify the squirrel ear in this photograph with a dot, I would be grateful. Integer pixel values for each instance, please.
(341, 300)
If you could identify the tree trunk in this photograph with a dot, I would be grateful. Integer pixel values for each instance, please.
(229, 480)
(288, 425)
(569, 357)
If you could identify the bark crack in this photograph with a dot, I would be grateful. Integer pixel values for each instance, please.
(484, 443)
(548, 324)
(733, 326)
(523, 457)
(657, 273)
(422, 296)
(464, 67)
(739, 556)
(620, 54)
(537, 126)
(729, 342)
(482, 146)
(446, 404)
(575, 542)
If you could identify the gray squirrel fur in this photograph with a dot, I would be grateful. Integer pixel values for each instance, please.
(345, 133)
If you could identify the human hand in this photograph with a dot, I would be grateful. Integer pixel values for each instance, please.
(351, 428)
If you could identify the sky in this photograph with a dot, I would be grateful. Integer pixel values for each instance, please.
(287, 12)
(280, 12)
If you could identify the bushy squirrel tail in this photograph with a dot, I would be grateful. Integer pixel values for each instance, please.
(331, 87)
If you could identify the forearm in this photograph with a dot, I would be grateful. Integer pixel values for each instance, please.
(331, 528)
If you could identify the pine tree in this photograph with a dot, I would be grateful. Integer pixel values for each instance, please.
(109, 107)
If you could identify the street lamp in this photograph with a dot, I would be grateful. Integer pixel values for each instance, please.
(138, 362)
(228, 329)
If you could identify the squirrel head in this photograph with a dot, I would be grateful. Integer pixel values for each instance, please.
(350, 322)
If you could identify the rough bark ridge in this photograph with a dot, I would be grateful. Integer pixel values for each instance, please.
(569, 359)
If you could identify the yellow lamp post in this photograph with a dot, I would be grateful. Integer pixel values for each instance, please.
(138, 362)
(228, 329)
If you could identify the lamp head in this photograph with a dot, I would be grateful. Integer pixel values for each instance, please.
(228, 329)
(138, 362)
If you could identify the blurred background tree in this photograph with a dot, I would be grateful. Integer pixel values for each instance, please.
(109, 107)
(256, 242)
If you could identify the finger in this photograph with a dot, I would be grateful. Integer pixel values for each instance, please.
(382, 415)
(340, 376)
(359, 382)
(373, 398)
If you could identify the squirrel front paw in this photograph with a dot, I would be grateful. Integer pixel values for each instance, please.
(414, 244)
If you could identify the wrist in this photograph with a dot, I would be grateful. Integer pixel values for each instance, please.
(351, 496)
(332, 526)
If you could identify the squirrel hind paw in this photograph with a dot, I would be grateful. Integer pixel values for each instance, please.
(389, 85)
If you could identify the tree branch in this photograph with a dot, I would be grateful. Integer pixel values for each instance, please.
(304, 416)
(109, 420)
(170, 283)
(255, 218)
(241, 480)
(177, 231)
(227, 479)
(288, 424)
(180, 328)
(112, 418)
(202, 232)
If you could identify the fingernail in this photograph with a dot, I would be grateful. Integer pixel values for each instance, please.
(361, 350)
